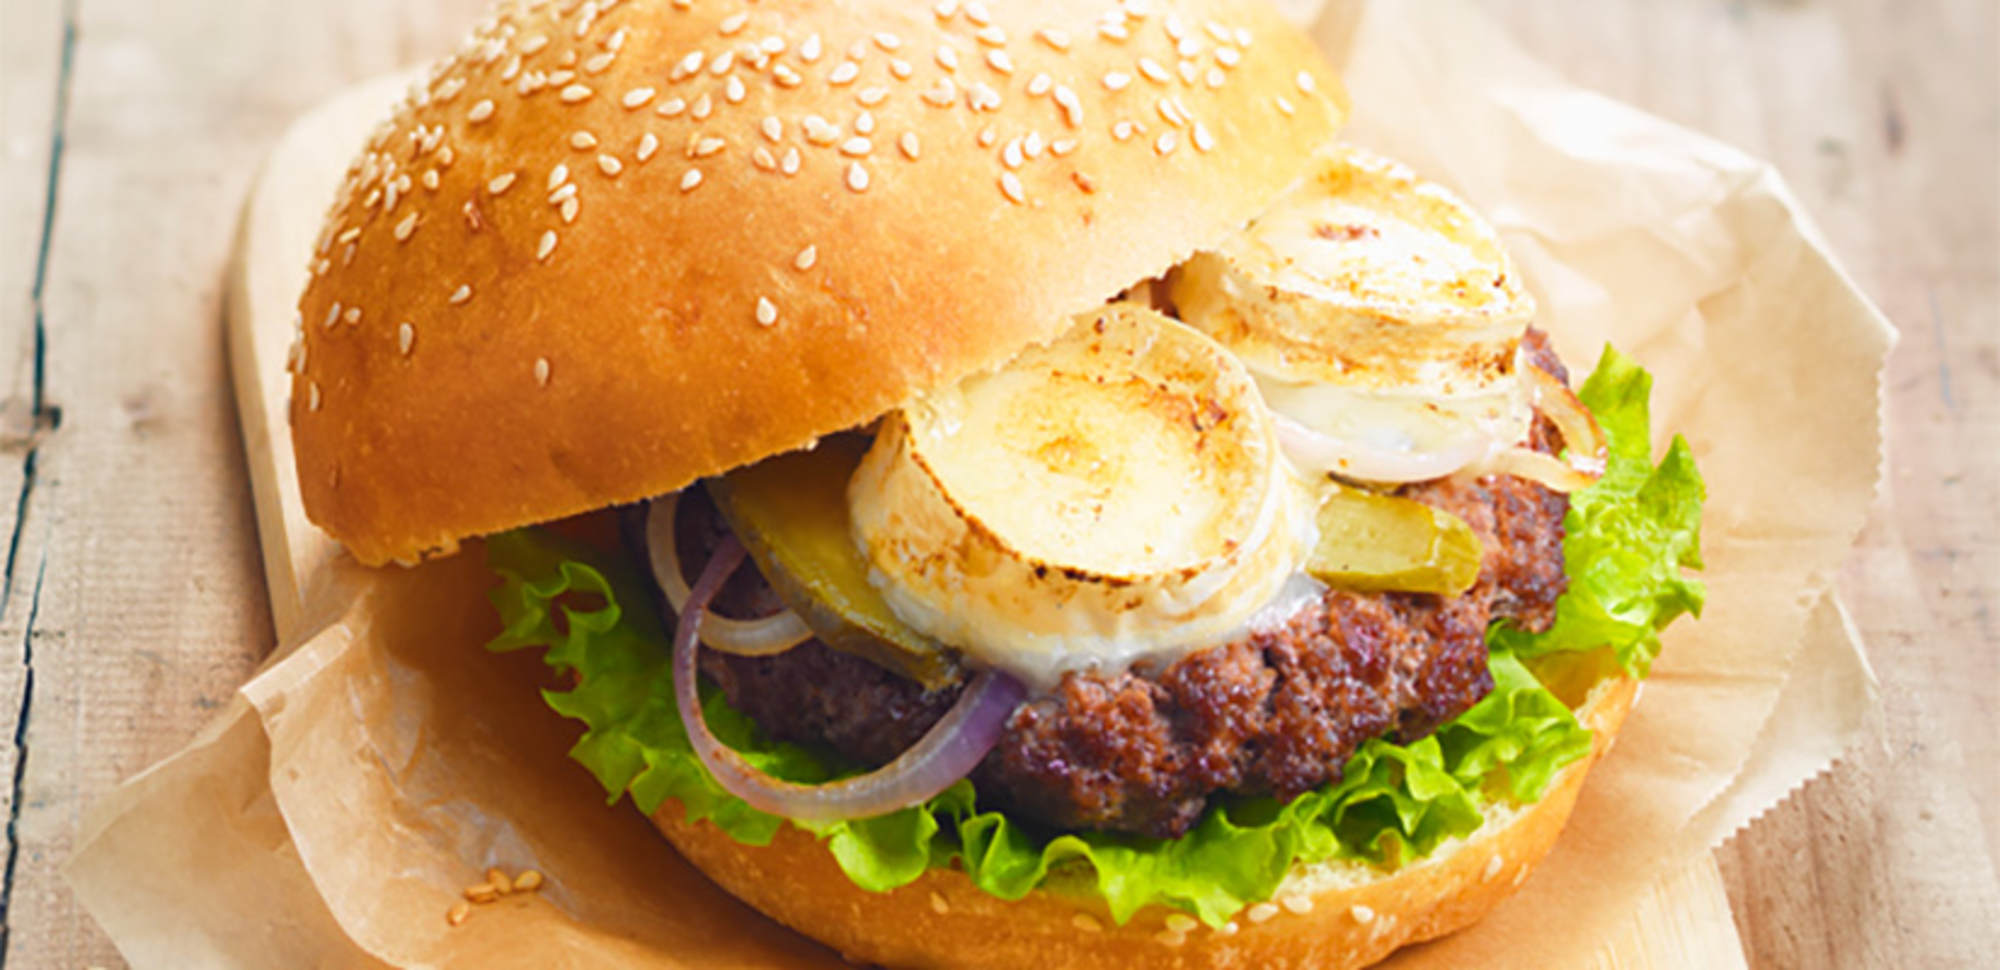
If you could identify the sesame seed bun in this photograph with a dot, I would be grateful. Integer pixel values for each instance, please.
(1327, 917)
(608, 249)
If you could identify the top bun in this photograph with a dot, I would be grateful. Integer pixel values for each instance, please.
(609, 248)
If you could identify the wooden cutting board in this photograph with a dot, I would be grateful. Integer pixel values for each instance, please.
(1684, 922)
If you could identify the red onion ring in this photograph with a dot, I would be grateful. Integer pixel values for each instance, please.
(1319, 451)
(947, 753)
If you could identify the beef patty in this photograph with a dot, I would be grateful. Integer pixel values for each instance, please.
(1278, 712)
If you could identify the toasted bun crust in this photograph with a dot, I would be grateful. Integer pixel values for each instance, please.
(599, 255)
(1325, 917)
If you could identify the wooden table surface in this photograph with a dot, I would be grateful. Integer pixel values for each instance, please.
(133, 599)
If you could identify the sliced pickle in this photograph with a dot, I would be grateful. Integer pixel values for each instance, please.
(791, 514)
(1379, 543)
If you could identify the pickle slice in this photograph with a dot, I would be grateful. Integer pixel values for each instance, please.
(1379, 543)
(790, 512)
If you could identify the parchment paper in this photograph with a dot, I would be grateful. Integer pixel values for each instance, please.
(381, 761)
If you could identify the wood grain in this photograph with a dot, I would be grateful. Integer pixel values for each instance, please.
(135, 595)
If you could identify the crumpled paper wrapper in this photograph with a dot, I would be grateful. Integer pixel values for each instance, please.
(381, 761)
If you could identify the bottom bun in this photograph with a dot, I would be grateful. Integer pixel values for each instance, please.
(1326, 916)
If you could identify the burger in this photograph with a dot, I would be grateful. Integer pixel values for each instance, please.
(999, 486)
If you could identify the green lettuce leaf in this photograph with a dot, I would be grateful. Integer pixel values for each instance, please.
(1628, 537)
(592, 615)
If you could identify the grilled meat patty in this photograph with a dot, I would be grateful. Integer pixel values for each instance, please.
(1277, 712)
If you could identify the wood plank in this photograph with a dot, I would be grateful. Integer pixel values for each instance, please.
(151, 606)
(1881, 114)
(33, 57)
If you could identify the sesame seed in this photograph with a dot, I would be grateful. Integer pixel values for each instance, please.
(790, 163)
(872, 96)
(773, 128)
(946, 9)
(1188, 48)
(583, 141)
(786, 77)
(1010, 186)
(480, 112)
(312, 396)
(1117, 81)
(569, 209)
(806, 258)
(857, 147)
(734, 90)
(1170, 113)
(576, 93)
(533, 45)
(671, 107)
(702, 107)
(616, 41)
(1262, 912)
(1167, 142)
(1243, 37)
(999, 61)
(889, 42)
(976, 12)
(406, 337)
(431, 180)
(902, 69)
(1492, 868)
(1362, 914)
(1086, 923)
(1306, 82)
(563, 194)
(988, 136)
(558, 175)
(406, 227)
(767, 312)
(810, 50)
(910, 146)
(691, 180)
(947, 57)
(938, 905)
(1216, 78)
(1285, 105)
(1203, 140)
(349, 235)
(1189, 70)
(991, 36)
(1062, 146)
(528, 881)
(560, 78)
(688, 66)
(1041, 85)
(845, 73)
(864, 123)
(1113, 31)
(542, 371)
(352, 316)
(449, 89)
(637, 98)
(1520, 875)
(446, 156)
(1228, 56)
(944, 95)
(733, 23)
(1153, 71)
(763, 159)
(1054, 38)
(332, 317)
(857, 177)
(1181, 922)
(648, 144)
(705, 147)
(610, 165)
(1011, 155)
(983, 98)
(1176, 27)
(1298, 903)
(597, 65)
(1071, 106)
